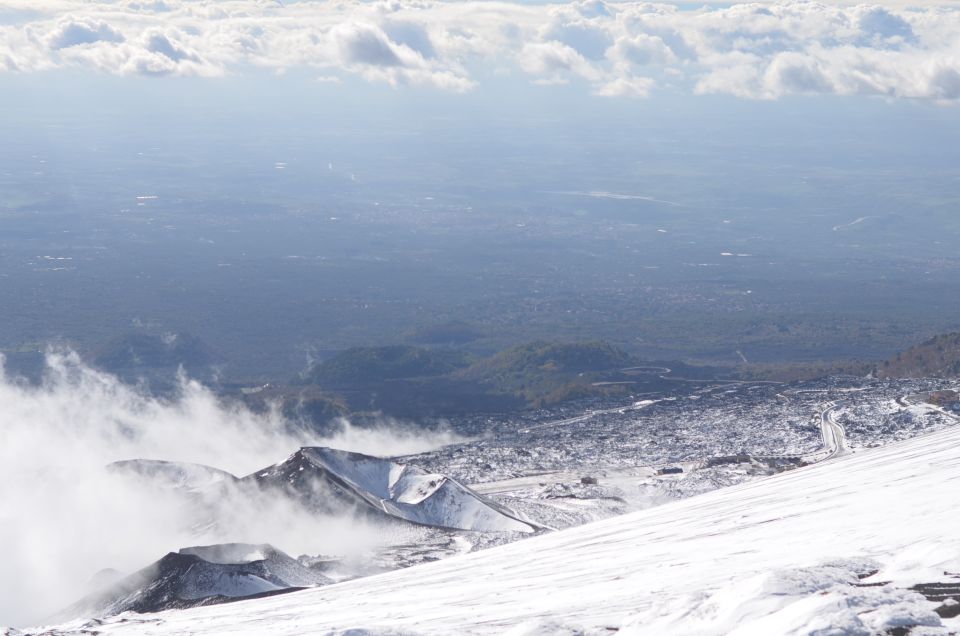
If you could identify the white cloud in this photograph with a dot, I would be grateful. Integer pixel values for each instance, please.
(589, 37)
(412, 35)
(796, 73)
(76, 32)
(365, 44)
(626, 87)
(641, 50)
(366, 49)
(554, 59)
(879, 25)
(158, 43)
(944, 82)
(152, 52)
(756, 51)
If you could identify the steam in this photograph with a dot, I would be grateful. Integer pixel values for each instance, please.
(63, 517)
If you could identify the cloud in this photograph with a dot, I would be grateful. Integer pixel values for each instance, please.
(76, 32)
(159, 43)
(878, 24)
(554, 58)
(365, 44)
(753, 51)
(366, 49)
(589, 37)
(155, 52)
(944, 83)
(641, 50)
(795, 73)
(412, 35)
(626, 87)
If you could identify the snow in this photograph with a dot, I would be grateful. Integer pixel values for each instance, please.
(409, 493)
(413, 487)
(226, 584)
(450, 505)
(370, 474)
(785, 554)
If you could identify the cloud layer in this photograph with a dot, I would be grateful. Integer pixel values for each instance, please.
(617, 49)
(751, 51)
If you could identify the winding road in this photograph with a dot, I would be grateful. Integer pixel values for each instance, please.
(832, 434)
(834, 437)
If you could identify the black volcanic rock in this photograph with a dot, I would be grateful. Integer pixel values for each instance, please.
(201, 575)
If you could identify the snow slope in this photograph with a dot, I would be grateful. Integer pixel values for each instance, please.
(773, 556)
(400, 491)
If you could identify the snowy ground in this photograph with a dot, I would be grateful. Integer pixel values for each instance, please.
(784, 554)
(687, 426)
(585, 462)
(535, 463)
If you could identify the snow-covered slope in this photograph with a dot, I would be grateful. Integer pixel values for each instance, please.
(400, 491)
(778, 555)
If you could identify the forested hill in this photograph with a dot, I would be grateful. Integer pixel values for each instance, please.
(937, 357)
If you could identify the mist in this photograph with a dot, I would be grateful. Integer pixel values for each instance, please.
(64, 517)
